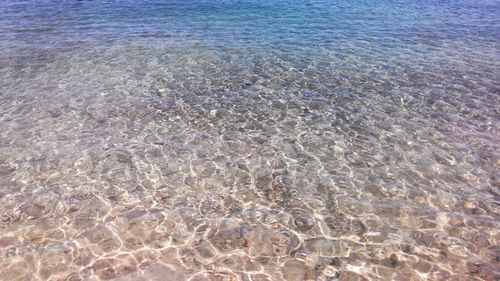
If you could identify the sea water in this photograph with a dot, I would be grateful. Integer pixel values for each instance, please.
(250, 140)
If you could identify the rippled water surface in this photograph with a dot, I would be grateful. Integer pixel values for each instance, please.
(250, 140)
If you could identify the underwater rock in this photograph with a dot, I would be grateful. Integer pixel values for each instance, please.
(159, 271)
(326, 247)
(228, 239)
(268, 243)
(357, 227)
(339, 225)
(297, 270)
(302, 221)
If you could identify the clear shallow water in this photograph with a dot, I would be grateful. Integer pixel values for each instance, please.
(249, 140)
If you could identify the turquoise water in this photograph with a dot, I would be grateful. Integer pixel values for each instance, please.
(249, 140)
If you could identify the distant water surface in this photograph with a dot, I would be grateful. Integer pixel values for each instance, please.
(250, 140)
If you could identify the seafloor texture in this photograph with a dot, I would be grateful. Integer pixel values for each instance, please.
(249, 140)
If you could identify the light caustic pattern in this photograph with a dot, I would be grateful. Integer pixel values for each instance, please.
(258, 140)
